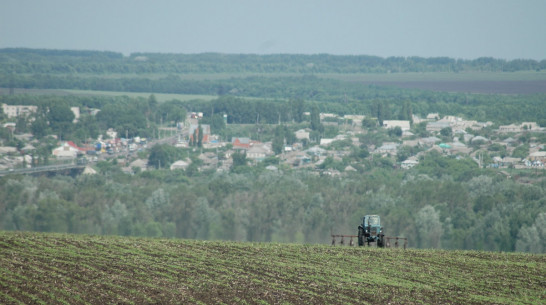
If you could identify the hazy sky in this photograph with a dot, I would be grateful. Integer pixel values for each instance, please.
(467, 29)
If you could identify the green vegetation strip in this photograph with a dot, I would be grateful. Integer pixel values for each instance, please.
(80, 269)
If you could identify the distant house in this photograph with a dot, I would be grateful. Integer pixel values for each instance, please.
(180, 164)
(68, 150)
(428, 141)
(410, 143)
(409, 163)
(474, 125)
(111, 133)
(458, 147)
(451, 119)
(509, 141)
(258, 152)
(339, 137)
(326, 141)
(509, 128)
(506, 161)
(241, 143)
(349, 168)
(28, 148)
(302, 134)
(387, 148)
(89, 171)
(328, 115)
(530, 126)
(407, 134)
(538, 156)
(356, 118)
(10, 125)
(272, 168)
(437, 126)
(209, 159)
(316, 151)
(517, 128)
(25, 137)
(204, 127)
(140, 163)
(404, 125)
(433, 116)
(6, 150)
(13, 111)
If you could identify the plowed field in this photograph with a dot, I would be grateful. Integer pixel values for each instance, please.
(40, 268)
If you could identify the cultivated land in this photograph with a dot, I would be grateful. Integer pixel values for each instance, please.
(524, 82)
(521, 82)
(77, 269)
(161, 97)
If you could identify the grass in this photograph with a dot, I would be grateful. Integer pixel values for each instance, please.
(467, 76)
(79, 269)
(161, 97)
(440, 76)
(522, 82)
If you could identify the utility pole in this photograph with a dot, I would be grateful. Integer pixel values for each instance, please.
(127, 148)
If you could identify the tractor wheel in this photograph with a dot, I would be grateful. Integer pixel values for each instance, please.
(381, 241)
(360, 237)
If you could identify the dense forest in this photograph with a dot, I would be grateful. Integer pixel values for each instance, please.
(20, 60)
(442, 203)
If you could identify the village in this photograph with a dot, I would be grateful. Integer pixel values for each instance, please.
(448, 135)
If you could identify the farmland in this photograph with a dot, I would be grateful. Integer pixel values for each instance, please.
(528, 82)
(514, 83)
(211, 74)
(81, 269)
(161, 97)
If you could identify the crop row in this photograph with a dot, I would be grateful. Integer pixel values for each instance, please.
(71, 269)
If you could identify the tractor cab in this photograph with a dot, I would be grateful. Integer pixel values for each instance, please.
(371, 220)
(371, 231)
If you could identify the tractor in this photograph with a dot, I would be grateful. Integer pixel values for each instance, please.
(371, 231)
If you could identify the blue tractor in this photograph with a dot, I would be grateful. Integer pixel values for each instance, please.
(371, 231)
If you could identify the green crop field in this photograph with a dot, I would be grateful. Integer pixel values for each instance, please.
(38, 268)
(439, 76)
(161, 97)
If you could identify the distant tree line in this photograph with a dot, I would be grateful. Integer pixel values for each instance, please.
(441, 203)
(41, 61)
(128, 116)
(141, 116)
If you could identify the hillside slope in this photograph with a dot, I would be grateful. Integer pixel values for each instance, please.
(78, 269)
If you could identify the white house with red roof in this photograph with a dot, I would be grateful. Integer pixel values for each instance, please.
(68, 149)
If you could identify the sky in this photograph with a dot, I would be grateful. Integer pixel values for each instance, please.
(466, 29)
